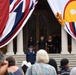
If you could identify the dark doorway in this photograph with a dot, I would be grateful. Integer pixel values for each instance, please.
(41, 23)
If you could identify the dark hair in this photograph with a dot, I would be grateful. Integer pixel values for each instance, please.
(11, 61)
(1, 57)
(24, 68)
(63, 63)
(53, 63)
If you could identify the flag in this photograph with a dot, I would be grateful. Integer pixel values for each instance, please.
(13, 16)
(65, 12)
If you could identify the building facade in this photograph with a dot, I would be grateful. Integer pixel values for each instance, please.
(41, 22)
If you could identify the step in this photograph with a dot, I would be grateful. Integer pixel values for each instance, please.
(57, 57)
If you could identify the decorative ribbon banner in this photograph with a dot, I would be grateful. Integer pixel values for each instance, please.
(13, 16)
(65, 12)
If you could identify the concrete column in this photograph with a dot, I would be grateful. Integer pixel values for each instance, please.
(73, 46)
(10, 49)
(64, 42)
(20, 43)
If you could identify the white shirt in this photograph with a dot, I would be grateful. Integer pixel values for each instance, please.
(73, 71)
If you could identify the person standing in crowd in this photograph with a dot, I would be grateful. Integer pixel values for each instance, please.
(41, 43)
(12, 68)
(25, 65)
(40, 67)
(64, 65)
(31, 41)
(53, 63)
(50, 45)
(31, 55)
(73, 71)
(3, 65)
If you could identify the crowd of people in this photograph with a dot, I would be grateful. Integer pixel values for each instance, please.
(42, 65)
(51, 45)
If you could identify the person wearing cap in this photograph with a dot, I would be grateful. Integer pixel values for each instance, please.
(64, 67)
(31, 55)
(41, 67)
